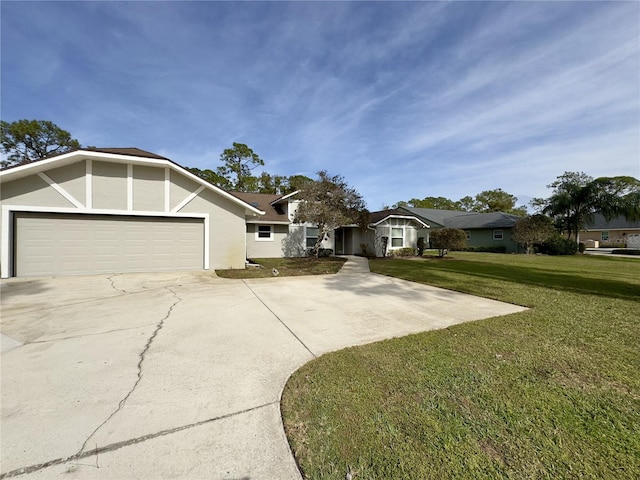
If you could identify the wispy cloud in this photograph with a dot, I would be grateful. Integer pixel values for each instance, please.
(403, 99)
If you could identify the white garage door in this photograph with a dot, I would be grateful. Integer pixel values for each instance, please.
(72, 244)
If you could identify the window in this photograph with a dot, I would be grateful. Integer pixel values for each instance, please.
(397, 237)
(468, 232)
(312, 236)
(264, 233)
(604, 236)
(497, 234)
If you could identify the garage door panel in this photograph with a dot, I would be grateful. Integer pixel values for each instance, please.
(68, 244)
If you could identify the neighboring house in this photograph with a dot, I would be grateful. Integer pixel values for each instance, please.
(617, 232)
(114, 210)
(483, 229)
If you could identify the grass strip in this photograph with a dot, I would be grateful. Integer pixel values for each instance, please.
(286, 267)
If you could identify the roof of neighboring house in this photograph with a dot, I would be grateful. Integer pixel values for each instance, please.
(482, 220)
(266, 202)
(616, 223)
(465, 220)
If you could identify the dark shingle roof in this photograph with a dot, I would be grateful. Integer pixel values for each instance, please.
(617, 223)
(375, 217)
(133, 151)
(263, 201)
(465, 220)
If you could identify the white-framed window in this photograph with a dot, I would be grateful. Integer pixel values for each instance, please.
(264, 233)
(468, 233)
(397, 237)
(311, 234)
(498, 235)
(604, 236)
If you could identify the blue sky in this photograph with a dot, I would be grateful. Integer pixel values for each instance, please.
(405, 100)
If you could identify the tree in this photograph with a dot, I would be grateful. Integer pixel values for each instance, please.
(210, 176)
(531, 230)
(497, 201)
(25, 141)
(328, 203)
(487, 201)
(238, 163)
(577, 197)
(446, 239)
(441, 203)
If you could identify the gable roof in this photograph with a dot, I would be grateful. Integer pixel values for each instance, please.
(616, 223)
(464, 220)
(376, 218)
(117, 155)
(268, 203)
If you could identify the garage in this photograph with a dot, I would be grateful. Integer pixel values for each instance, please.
(116, 210)
(49, 244)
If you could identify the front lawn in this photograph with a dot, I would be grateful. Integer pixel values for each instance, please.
(553, 392)
(286, 267)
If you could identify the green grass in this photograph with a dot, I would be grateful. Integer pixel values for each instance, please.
(287, 267)
(553, 392)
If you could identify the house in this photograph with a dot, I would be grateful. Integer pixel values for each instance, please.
(276, 235)
(105, 210)
(388, 230)
(484, 230)
(617, 232)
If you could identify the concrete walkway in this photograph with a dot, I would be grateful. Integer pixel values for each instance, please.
(180, 375)
(354, 265)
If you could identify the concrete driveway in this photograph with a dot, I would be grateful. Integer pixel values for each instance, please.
(180, 375)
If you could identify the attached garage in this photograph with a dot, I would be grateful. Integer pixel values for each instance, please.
(124, 210)
(52, 244)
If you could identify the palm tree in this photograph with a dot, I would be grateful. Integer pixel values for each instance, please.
(577, 197)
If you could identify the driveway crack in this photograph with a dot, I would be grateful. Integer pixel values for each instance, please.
(141, 359)
(113, 285)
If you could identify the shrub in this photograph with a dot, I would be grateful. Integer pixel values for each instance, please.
(558, 246)
(403, 252)
(628, 251)
(325, 252)
(448, 239)
(581, 247)
(420, 246)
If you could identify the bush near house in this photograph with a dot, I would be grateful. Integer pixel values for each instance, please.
(558, 246)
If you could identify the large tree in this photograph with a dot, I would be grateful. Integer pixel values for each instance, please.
(531, 230)
(328, 203)
(497, 201)
(577, 197)
(25, 141)
(238, 163)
